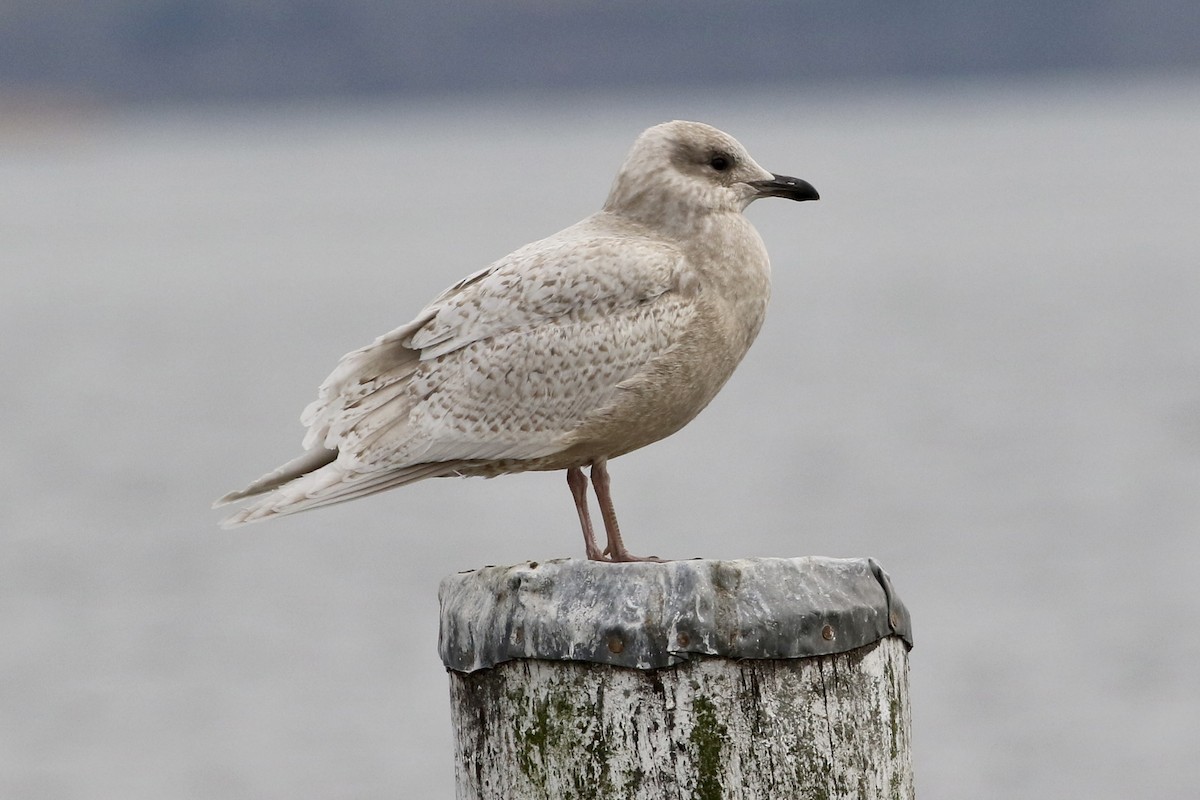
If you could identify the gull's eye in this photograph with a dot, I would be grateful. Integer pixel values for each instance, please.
(720, 162)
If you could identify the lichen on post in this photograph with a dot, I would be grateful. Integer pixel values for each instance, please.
(696, 679)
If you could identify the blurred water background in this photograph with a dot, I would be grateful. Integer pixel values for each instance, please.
(981, 366)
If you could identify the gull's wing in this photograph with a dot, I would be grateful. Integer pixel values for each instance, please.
(539, 338)
(504, 365)
(576, 276)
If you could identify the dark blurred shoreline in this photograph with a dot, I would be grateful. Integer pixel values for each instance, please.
(132, 51)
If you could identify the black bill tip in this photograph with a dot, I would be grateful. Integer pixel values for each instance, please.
(784, 186)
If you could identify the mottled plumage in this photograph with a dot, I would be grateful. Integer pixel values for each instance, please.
(593, 342)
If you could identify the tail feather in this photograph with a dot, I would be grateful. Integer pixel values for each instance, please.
(312, 460)
(329, 485)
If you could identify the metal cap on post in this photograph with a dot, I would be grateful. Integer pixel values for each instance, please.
(710, 679)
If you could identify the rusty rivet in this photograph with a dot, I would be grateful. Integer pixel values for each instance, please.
(615, 645)
(682, 639)
(533, 565)
(827, 633)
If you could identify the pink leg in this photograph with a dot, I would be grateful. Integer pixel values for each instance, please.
(616, 546)
(579, 484)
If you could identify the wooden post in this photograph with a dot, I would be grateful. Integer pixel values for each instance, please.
(762, 679)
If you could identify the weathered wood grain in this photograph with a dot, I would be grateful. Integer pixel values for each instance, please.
(831, 726)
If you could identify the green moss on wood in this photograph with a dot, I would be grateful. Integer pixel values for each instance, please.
(894, 710)
(533, 734)
(556, 729)
(633, 780)
(709, 738)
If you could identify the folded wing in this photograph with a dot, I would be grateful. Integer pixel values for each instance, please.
(504, 365)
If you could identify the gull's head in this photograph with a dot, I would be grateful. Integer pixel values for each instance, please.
(680, 170)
